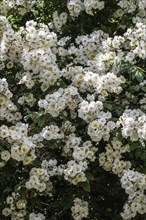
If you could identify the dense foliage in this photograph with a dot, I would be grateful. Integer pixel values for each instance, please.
(72, 109)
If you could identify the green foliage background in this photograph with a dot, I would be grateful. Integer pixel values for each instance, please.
(102, 190)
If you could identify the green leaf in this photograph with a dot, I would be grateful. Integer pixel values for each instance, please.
(53, 145)
(41, 121)
(144, 89)
(8, 189)
(119, 111)
(112, 20)
(133, 146)
(67, 203)
(108, 106)
(139, 76)
(86, 186)
(89, 176)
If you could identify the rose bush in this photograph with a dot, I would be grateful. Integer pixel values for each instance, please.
(72, 108)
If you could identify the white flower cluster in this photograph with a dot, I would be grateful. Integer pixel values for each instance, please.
(85, 153)
(142, 102)
(93, 4)
(52, 168)
(85, 81)
(102, 53)
(128, 6)
(137, 42)
(55, 103)
(4, 25)
(90, 81)
(26, 79)
(134, 184)
(111, 53)
(74, 78)
(8, 110)
(75, 7)
(71, 142)
(27, 99)
(51, 133)
(109, 83)
(89, 111)
(22, 145)
(117, 42)
(49, 77)
(87, 47)
(38, 216)
(72, 97)
(74, 171)
(133, 41)
(102, 85)
(11, 48)
(59, 20)
(33, 47)
(105, 60)
(5, 156)
(17, 207)
(97, 50)
(133, 6)
(101, 127)
(40, 177)
(82, 155)
(62, 42)
(39, 180)
(111, 160)
(37, 52)
(67, 127)
(133, 124)
(80, 209)
(22, 6)
(70, 71)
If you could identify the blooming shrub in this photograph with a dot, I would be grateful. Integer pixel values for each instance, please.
(72, 110)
